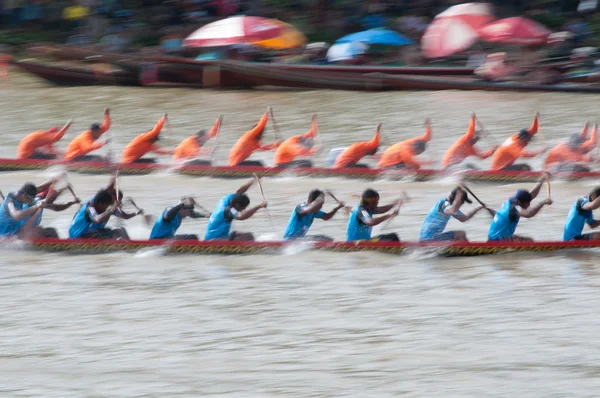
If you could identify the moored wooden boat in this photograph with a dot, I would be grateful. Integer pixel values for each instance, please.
(79, 76)
(8, 165)
(455, 249)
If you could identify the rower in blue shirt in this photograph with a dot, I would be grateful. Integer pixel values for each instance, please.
(581, 214)
(507, 218)
(19, 211)
(90, 221)
(170, 220)
(439, 215)
(361, 222)
(304, 214)
(232, 207)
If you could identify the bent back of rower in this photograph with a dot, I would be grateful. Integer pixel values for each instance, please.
(91, 220)
(403, 154)
(437, 219)
(232, 207)
(168, 223)
(581, 213)
(572, 156)
(298, 145)
(304, 214)
(362, 220)
(514, 148)
(144, 143)
(251, 142)
(352, 155)
(86, 142)
(507, 218)
(40, 144)
(465, 147)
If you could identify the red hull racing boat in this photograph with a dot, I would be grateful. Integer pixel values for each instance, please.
(455, 249)
(317, 172)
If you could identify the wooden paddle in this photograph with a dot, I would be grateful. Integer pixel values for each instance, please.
(216, 142)
(387, 223)
(275, 127)
(2, 195)
(346, 208)
(148, 218)
(466, 188)
(262, 193)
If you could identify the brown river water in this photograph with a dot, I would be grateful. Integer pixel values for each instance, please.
(299, 324)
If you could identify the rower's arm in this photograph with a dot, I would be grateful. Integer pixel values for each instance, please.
(160, 151)
(61, 207)
(593, 205)
(172, 212)
(533, 210)
(536, 190)
(452, 210)
(19, 215)
(486, 154)
(246, 186)
(466, 217)
(526, 154)
(246, 214)
(329, 216)
(103, 217)
(268, 147)
(197, 214)
(126, 216)
(373, 221)
(386, 208)
(312, 207)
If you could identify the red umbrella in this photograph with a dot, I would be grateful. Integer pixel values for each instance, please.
(517, 30)
(455, 29)
(233, 30)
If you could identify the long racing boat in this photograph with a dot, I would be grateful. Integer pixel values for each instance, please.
(449, 249)
(226, 172)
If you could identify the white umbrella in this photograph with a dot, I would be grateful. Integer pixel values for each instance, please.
(344, 51)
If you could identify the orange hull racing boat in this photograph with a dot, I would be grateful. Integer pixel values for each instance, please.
(318, 172)
(447, 249)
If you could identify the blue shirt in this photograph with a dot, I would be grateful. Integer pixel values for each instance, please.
(505, 222)
(436, 220)
(82, 222)
(164, 229)
(299, 224)
(8, 225)
(357, 229)
(219, 223)
(577, 219)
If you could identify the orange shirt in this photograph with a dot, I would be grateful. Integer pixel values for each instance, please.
(144, 143)
(292, 147)
(190, 148)
(513, 149)
(463, 148)
(355, 152)
(564, 154)
(43, 138)
(249, 142)
(403, 152)
(85, 143)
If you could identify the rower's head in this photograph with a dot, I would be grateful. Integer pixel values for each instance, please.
(240, 201)
(419, 147)
(308, 142)
(318, 195)
(525, 136)
(476, 137)
(188, 206)
(96, 130)
(373, 151)
(369, 199)
(27, 193)
(102, 200)
(522, 198)
(575, 141)
(201, 137)
(453, 196)
(595, 194)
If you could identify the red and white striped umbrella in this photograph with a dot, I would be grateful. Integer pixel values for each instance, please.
(455, 30)
(233, 30)
(517, 30)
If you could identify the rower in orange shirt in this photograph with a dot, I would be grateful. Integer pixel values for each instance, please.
(465, 147)
(572, 156)
(298, 145)
(144, 143)
(402, 155)
(190, 148)
(87, 142)
(355, 152)
(514, 148)
(250, 142)
(40, 144)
